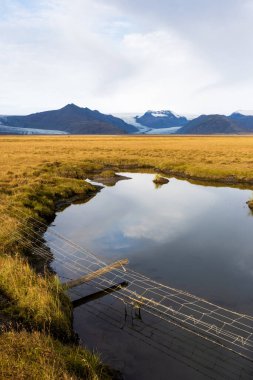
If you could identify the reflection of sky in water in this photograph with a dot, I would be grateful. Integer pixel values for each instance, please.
(193, 237)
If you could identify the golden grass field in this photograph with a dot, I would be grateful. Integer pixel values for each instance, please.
(208, 156)
(35, 173)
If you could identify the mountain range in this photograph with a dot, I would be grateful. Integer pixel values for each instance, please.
(72, 119)
(236, 123)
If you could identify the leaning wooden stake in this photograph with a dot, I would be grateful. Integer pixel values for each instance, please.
(100, 294)
(97, 273)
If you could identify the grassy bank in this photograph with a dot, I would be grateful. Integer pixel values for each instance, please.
(49, 310)
(39, 172)
(38, 356)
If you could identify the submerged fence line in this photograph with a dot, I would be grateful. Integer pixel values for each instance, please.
(222, 326)
(198, 355)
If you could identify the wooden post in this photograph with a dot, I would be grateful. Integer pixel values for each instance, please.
(101, 293)
(97, 273)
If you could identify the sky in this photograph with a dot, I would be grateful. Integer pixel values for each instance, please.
(189, 56)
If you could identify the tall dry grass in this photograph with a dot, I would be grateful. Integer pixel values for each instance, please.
(37, 301)
(33, 356)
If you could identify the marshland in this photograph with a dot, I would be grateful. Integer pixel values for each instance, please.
(41, 175)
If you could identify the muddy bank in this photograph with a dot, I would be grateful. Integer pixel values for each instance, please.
(230, 181)
(250, 204)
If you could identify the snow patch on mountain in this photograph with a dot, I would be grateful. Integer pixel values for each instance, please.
(167, 113)
(156, 114)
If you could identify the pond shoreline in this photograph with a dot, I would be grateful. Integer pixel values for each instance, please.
(229, 181)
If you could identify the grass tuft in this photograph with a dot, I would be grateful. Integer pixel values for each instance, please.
(36, 356)
(37, 301)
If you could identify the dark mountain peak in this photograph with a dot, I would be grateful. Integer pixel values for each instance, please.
(72, 119)
(211, 124)
(236, 115)
(245, 122)
(71, 106)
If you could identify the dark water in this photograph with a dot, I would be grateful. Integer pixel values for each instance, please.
(192, 237)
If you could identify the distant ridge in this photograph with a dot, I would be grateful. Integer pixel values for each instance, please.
(219, 124)
(244, 122)
(71, 119)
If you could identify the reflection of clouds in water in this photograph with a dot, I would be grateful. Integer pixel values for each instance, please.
(155, 228)
(243, 263)
(133, 210)
(164, 215)
(195, 237)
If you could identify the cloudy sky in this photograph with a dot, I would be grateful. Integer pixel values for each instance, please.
(191, 56)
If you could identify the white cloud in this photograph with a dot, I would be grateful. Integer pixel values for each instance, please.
(56, 56)
(190, 56)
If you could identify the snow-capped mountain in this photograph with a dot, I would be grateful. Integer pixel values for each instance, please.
(161, 119)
